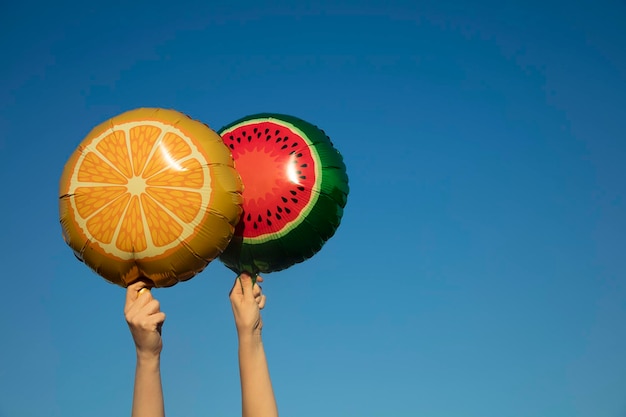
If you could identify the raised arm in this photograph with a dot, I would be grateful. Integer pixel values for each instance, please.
(145, 319)
(257, 395)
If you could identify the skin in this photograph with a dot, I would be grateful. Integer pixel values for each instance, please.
(145, 320)
(257, 395)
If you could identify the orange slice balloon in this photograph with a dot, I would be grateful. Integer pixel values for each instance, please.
(149, 194)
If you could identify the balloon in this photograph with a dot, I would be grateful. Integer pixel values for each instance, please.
(295, 190)
(151, 194)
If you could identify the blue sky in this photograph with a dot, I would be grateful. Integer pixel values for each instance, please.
(479, 267)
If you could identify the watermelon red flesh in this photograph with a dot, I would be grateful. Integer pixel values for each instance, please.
(278, 173)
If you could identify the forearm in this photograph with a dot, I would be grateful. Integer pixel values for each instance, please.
(148, 394)
(256, 387)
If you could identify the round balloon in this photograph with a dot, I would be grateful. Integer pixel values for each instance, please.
(295, 190)
(150, 193)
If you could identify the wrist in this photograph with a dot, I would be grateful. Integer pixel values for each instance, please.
(148, 358)
(250, 338)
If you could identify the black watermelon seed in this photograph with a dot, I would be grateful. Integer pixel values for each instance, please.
(301, 188)
(269, 223)
(279, 209)
(238, 140)
(284, 199)
(277, 132)
(293, 145)
(231, 137)
(292, 152)
(295, 200)
(286, 137)
(259, 218)
(255, 130)
(249, 138)
(299, 155)
(298, 172)
(283, 147)
(248, 218)
(231, 146)
(287, 210)
(266, 130)
(254, 225)
(258, 135)
(278, 139)
(304, 165)
(244, 133)
(302, 177)
(292, 192)
(268, 137)
(269, 213)
(278, 216)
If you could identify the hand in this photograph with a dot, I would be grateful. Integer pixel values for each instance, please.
(247, 301)
(144, 319)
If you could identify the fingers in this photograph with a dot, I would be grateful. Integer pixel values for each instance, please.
(139, 302)
(152, 307)
(261, 302)
(142, 308)
(246, 286)
(131, 292)
(256, 290)
(147, 321)
(245, 289)
(158, 319)
(134, 289)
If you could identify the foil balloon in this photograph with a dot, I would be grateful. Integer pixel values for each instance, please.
(295, 190)
(150, 193)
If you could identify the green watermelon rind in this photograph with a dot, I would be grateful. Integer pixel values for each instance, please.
(315, 227)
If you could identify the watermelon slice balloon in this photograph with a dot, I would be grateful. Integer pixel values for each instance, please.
(295, 190)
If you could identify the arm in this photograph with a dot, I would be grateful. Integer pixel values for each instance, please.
(145, 319)
(257, 395)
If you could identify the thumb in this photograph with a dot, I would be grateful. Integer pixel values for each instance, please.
(134, 290)
(236, 291)
(246, 286)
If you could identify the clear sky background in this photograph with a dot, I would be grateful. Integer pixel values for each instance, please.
(480, 266)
